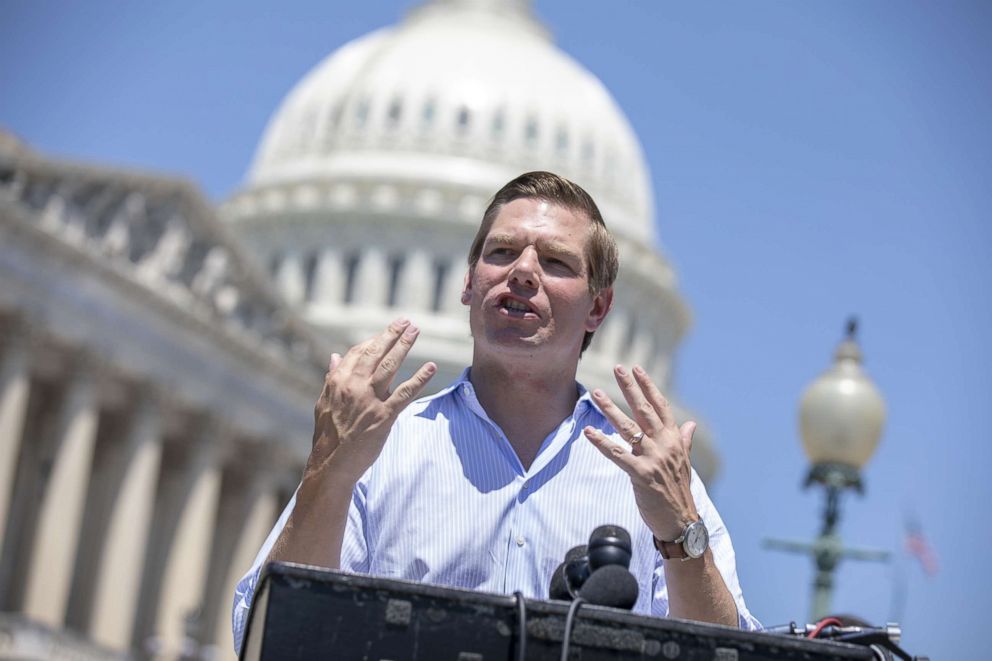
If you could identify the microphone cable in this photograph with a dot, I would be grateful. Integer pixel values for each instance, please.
(569, 622)
(521, 626)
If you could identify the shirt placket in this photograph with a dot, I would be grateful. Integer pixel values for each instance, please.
(519, 546)
(518, 551)
(522, 545)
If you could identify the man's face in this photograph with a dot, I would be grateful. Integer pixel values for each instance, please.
(529, 290)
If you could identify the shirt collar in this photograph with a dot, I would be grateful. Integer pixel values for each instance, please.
(464, 388)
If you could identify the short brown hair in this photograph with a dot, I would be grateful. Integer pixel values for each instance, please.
(602, 256)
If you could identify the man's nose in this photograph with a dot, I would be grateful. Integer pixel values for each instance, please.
(525, 269)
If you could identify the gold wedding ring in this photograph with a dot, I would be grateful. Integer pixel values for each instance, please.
(637, 438)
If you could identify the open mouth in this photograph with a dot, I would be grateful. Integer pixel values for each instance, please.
(515, 307)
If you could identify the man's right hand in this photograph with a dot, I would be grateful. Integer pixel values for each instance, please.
(352, 420)
(356, 409)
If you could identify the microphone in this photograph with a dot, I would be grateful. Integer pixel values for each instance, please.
(612, 586)
(576, 571)
(560, 579)
(609, 545)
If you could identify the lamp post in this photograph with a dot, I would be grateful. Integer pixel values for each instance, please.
(840, 420)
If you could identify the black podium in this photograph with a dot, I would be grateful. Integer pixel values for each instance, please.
(308, 613)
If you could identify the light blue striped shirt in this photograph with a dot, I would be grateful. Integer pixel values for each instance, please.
(448, 502)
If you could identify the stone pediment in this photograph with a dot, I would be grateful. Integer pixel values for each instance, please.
(138, 270)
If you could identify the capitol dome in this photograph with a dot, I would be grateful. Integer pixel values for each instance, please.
(464, 92)
(372, 176)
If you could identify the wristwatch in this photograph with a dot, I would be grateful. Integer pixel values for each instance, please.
(692, 543)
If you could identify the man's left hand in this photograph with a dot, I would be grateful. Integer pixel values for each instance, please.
(658, 458)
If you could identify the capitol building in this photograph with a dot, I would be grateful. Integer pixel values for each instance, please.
(160, 356)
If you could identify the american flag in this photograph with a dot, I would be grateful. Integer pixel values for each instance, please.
(918, 547)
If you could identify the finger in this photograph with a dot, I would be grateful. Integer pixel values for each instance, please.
(390, 363)
(612, 450)
(685, 433)
(620, 421)
(364, 358)
(331, 366)
(658, 401)
(409, 389)
(640, 406)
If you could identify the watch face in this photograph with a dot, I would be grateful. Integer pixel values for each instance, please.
(697, 538)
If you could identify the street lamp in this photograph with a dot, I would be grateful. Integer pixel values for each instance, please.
(840, 420)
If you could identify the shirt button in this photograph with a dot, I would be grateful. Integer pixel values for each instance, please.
(520, 541)
(526, 485)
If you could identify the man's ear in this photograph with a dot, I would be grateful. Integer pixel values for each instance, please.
(602, 303)
(467, 288)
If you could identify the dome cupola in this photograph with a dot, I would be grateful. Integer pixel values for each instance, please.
(471, 92)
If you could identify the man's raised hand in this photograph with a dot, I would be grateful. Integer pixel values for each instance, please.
(658, 459)
(356, 408)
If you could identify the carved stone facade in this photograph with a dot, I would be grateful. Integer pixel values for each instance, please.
(155, 404)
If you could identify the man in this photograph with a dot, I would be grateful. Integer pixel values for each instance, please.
(488, 483)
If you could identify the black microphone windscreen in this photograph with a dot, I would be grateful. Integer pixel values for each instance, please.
(559, 586)
(609, 545)
(611, 585)
(559, 580)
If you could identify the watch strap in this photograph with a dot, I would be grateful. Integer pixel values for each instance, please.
(671, 550)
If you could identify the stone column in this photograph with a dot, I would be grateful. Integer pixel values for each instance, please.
(15, 381)
(328, 280)
(179, 544)
(416, 285)
(371, 279)
(108, 568)
(185, 576)
(642, 349)
(451, 288)
(290, 279)
(247, 511)
(613, 335)
(59, 513)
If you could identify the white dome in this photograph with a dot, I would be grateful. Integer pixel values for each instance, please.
(464, 92)
(372, 177)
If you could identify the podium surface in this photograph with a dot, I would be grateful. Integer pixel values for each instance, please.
(304, 612)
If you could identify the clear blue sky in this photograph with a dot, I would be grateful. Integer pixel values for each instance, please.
(810, 160)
